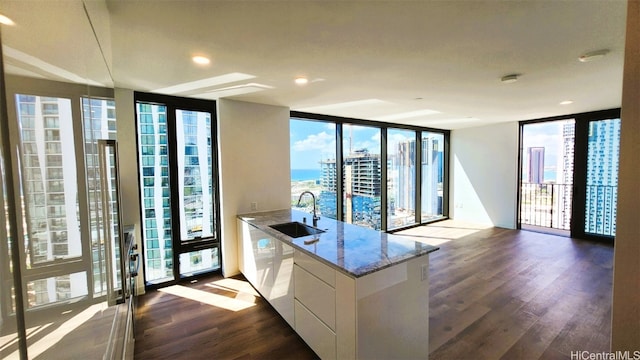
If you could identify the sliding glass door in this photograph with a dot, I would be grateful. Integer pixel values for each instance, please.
(546, 190)
(401, 178)
(176, 147)
(569, 174)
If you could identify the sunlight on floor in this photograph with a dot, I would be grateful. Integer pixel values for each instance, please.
(8, 340)
(234, 285)
(52, 338)
(442, 232)
(242, 300)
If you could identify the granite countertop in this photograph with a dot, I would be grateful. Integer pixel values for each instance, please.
(353, 250)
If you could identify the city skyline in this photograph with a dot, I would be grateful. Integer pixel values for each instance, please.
(362, 172)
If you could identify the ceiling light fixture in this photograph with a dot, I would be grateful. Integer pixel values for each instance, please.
(301, 80)
(566, 102)
(201, 60)
(508, 79)
(593, 55)
(5, 20)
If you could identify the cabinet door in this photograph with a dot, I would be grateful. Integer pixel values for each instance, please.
(316, 295)
(281, 297)
(263, 247)
(246, 260)
(315, 333)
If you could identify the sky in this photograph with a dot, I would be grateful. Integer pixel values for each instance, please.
(313, 141)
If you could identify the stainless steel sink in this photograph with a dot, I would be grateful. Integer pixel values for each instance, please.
(296, 229)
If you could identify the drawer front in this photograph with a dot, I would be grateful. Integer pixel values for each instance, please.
(317, 296)
(320, 270)
(315, 333)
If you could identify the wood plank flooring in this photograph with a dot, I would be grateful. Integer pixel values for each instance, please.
(494, 294)
(213, 318)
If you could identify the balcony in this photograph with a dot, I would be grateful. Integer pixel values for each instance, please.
(550, 205)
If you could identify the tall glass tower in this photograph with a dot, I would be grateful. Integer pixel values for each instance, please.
(602, 176)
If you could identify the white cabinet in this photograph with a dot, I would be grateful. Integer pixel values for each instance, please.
(318, 296)
(282, 291)
(315, 304)
(314, 332)
(267, 263)
(384, 314)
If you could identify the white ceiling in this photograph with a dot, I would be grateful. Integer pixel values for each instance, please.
(428, 63)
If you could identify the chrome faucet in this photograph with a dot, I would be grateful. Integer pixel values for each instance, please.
(315, 215)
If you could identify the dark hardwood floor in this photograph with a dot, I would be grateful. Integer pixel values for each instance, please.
(213, 318)
(494, 293)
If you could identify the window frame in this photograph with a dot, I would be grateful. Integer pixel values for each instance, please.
(581, 135)
(384, 127)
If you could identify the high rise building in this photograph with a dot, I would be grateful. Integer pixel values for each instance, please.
(564, 174)
(536, 165)
(405, 168)
(361, 181)
(156, 196)
(602, 176)
(365, 173)
(194, 168)
(431, 172)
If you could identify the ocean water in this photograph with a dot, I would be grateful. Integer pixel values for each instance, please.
(305, 174)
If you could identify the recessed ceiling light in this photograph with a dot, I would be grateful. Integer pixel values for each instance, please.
(593, 55)
(301, 80)
(5, 20)
(511, 78)
(201, 60)
(566, 102)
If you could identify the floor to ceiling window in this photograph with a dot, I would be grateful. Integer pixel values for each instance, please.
(313, 166)
(178, 188)
(362, 175)
(366, 173)
(432, 175)
(401, 178)
(569, 174)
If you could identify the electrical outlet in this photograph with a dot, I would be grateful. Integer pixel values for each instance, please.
(424, 272)
(254, 206)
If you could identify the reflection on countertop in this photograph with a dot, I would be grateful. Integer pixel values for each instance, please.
(353, 250)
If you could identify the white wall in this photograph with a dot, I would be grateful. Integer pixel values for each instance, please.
(625, 326)
(254, 166)
(484, 168)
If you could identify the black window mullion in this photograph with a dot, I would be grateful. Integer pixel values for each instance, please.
(418, 178)
(173, 181)
(339, 174)
(383, 179)
(383, 127)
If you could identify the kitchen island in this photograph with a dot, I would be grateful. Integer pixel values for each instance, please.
(348, 291)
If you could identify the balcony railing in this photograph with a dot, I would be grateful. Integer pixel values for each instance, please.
(546, 205)
(549, 205)
(600, 212)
